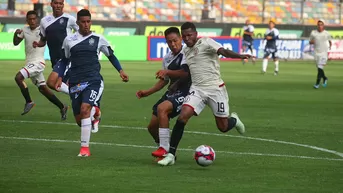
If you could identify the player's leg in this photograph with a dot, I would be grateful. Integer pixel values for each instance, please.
(193, 105)
(95, 117)
(244, 50)
(265, 61)
(166, 110)
(219, 103)
(91, 96)
(52, 79)
(153, 129)
(39, 81)
(276, 62)
(253, 59)
(19, 79)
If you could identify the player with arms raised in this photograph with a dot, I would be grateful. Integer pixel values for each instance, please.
(35, 64)
(174, 66)
(271, 35)
(322, 43)
(54, 28)
(202, 56)
(85, 81)
(248, 39)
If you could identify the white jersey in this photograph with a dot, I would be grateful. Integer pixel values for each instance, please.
(203, 62)
(32, 54)
(321, 41)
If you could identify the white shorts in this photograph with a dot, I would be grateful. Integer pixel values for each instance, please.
(34, 71)
(215, 97)
(321, 60)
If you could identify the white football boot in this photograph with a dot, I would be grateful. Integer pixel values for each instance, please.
(239, 125)
(168, 160)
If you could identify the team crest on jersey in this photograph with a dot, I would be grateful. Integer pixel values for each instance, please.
(61, 21)
(91, 41)
(196, 51)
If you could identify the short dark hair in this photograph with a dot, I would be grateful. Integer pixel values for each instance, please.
(82, 13)
(188, 25)
(172, 30)
(32, 12)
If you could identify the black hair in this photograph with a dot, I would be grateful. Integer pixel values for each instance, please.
(172, 30)
(32, 12)
(82, 13)
(188, 25)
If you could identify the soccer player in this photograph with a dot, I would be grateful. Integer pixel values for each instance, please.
(247, 39)
(271, 35)
(35, 65)
(54, 28)
(169, 105)
(322, 43)
(85, 81)
(202, 56)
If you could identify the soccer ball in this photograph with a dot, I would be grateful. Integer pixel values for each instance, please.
(204, 155)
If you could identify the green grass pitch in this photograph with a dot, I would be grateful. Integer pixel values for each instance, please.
(292, 144)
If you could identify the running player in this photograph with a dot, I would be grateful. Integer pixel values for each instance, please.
(202, 56)
(54, 28)
(271, 35)
(35, 65)
(322, 44)
(85, 81)
(248, 39)
(169, 105)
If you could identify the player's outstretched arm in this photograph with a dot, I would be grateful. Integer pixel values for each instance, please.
(232, 54)
(18, 37)
(158, 86)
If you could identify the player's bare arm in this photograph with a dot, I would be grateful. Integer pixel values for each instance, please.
(16, 39)
(231, 54)
(330, 44)
(171, 73)
(158, 86)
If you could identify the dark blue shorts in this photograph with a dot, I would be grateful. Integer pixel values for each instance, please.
(87, 92)
(65, 76)
(176, 99)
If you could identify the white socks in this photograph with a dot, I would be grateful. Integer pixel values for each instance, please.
(92, 113)
(86, 127)
(264, 65)
(164, 136)
(64, 88)
(276, 65)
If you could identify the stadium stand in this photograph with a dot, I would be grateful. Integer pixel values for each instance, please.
(234, 11)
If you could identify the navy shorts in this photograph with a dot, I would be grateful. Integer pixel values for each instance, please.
(272, 51)
(176, 99)
(65, 75)
(86, 92)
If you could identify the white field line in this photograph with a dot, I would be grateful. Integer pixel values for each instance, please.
(181, 149)
(192, 132)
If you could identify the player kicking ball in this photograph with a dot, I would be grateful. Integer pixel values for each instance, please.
(175, 72)
(85, 81)
(35, 65)
(322, 43)
(202, 56)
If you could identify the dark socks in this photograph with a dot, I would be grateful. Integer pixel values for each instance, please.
(52, 98)
(231, 123)
(320, 75)
(26, 94)
(176, 136)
